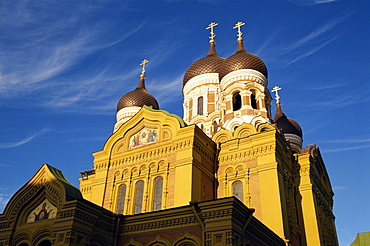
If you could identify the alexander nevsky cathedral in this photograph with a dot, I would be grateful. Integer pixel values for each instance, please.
(226, 173)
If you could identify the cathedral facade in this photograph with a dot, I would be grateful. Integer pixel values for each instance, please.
(227, 173)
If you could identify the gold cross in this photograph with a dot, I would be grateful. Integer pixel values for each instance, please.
(211, 26)
(276, 89)
(238, 25)
(145, 61)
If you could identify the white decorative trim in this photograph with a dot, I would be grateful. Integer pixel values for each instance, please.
(258, 120)
(243, 74)
(208, 78)
(124, 115)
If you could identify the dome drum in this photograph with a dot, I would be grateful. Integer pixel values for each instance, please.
(200, 80)
(244, 76)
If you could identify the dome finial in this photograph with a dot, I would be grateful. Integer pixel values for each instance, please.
(276, 89)
(145, 61)
(238, 25)
(213, 35)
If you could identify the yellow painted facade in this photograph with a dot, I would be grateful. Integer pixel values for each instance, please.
(202, 176)
(183, 156)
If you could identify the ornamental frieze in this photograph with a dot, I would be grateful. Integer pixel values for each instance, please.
(247, 155)
(148, 155)
(160, 224)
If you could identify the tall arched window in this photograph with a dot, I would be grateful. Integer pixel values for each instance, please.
(138, 202)
(238, 190)
(200, 105)
(253, 100)
(121, 199)
(237, 101)
(157, 193)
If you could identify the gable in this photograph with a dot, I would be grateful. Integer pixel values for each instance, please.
(147, 127)
(40, 198)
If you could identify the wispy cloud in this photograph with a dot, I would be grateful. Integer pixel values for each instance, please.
(337, 188)
(311, 2)
(4, 199)
(25, 140)
(313, 42)
(346, 149)
(310, 52)
(167, 92)
(40, 50)
(365, 140)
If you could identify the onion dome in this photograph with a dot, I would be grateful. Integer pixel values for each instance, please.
(286, 124)
(138, 98)
(209, 64)
(242, 60)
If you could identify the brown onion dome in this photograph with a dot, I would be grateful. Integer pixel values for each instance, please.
(286, 124)
(138, 98)
(209, 64)
(242, 60)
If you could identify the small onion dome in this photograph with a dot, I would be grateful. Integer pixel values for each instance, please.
(209, 64)
(242, 60)
(286, 124)
(138, 98)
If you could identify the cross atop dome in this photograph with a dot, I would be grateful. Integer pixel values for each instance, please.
(238, 25)
(145, 61)
(276, 89)
(213, 35)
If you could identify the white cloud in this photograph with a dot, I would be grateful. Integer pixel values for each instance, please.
(4, 199)
(25, 140)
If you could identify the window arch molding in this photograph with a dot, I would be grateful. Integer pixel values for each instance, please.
(42, 234)
(188, 240)
(21, 238)
(159, 241)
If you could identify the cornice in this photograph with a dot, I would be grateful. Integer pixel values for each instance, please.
(158, 225)
(74, 213)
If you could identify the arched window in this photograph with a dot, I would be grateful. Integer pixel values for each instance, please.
(238, 190)
(121, 199)
(138, 202)
(237, 101)
(157, 193)
(200, 105)
(253, 100)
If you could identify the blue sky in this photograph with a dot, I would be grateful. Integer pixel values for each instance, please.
(64, 66)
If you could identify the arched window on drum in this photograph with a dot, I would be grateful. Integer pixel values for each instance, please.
(200, 105)
(237, 101)
(254, 103)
